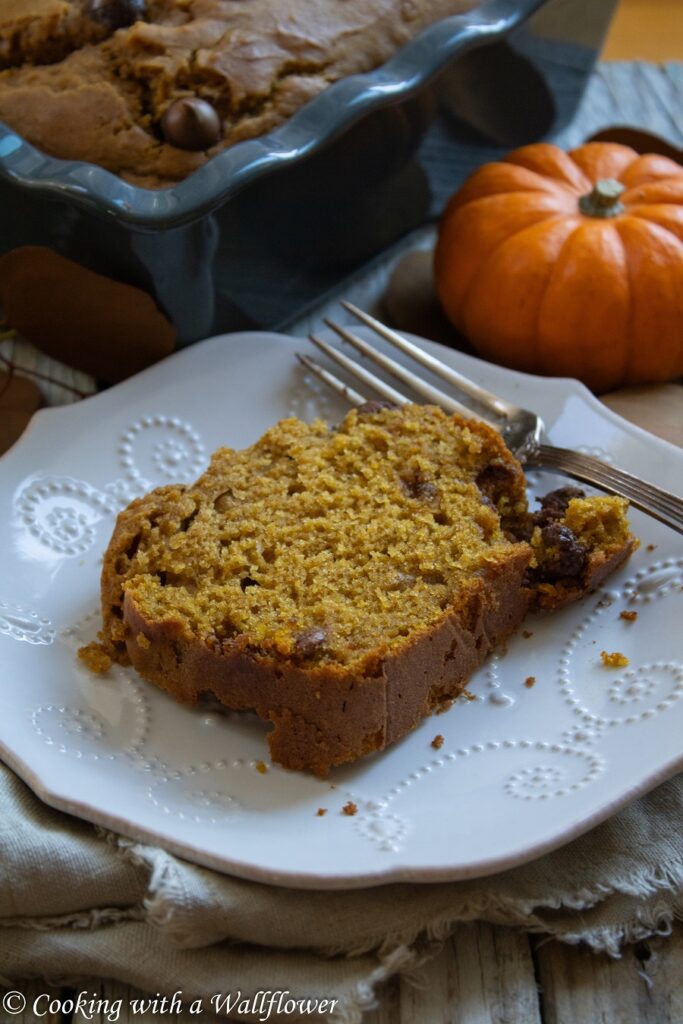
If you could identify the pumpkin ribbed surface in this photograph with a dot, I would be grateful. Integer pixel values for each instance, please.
(544, 273)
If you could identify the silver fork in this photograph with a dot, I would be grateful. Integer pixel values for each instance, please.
(521, 429)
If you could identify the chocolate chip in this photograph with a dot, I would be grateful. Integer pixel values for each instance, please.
(520, 529)
(248, 582)
(417, 486)
(224, 501)
(117, 13)
(565, 556)
(495, 479)
(310, 642)
(191, 123)
(554, 504)
(375, 406)
(425, 490)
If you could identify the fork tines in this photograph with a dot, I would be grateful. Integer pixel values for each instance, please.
(489, 406)
(521, 429)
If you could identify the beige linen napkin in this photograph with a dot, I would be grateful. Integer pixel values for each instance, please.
(77, 902)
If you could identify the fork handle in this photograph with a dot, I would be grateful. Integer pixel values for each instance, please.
(658, 503)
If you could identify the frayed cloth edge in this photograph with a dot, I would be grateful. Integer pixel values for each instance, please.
(97, 917)
(508, 911)
(165, 892)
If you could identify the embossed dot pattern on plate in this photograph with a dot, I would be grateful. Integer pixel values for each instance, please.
(518, 768)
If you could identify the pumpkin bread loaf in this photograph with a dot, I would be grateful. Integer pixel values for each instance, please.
(151, 89)
(343, 583)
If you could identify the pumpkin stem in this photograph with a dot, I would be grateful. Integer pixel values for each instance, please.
(603, 201)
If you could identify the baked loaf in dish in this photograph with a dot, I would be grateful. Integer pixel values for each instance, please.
(343, 582)
(151, 89)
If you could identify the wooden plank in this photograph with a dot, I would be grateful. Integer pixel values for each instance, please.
(643, 987)
(646, 30)
(627, 93)
(494, 976)
(389, 1009)
(661, 960)
(483, 975)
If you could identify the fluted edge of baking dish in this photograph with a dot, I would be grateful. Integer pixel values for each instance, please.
(313, 126)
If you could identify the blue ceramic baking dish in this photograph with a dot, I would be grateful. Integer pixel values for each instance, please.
(268, 225)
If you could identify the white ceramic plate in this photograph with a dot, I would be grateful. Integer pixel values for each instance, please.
(521, 770)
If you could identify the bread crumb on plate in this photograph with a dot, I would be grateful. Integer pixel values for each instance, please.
(615, 659)
(96, 657)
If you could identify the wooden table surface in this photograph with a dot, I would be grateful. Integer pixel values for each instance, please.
(646, 30)
(483, 975)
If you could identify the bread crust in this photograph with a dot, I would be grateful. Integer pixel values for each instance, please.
(325, 711)
(126, 533)
(325, 715)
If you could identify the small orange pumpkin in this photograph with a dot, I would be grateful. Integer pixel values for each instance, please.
(569, 264)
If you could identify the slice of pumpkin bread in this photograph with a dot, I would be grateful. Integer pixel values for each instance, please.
(342, 583)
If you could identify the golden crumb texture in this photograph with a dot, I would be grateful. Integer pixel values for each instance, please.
(96, 656)
(614, 659)
(343, 582)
